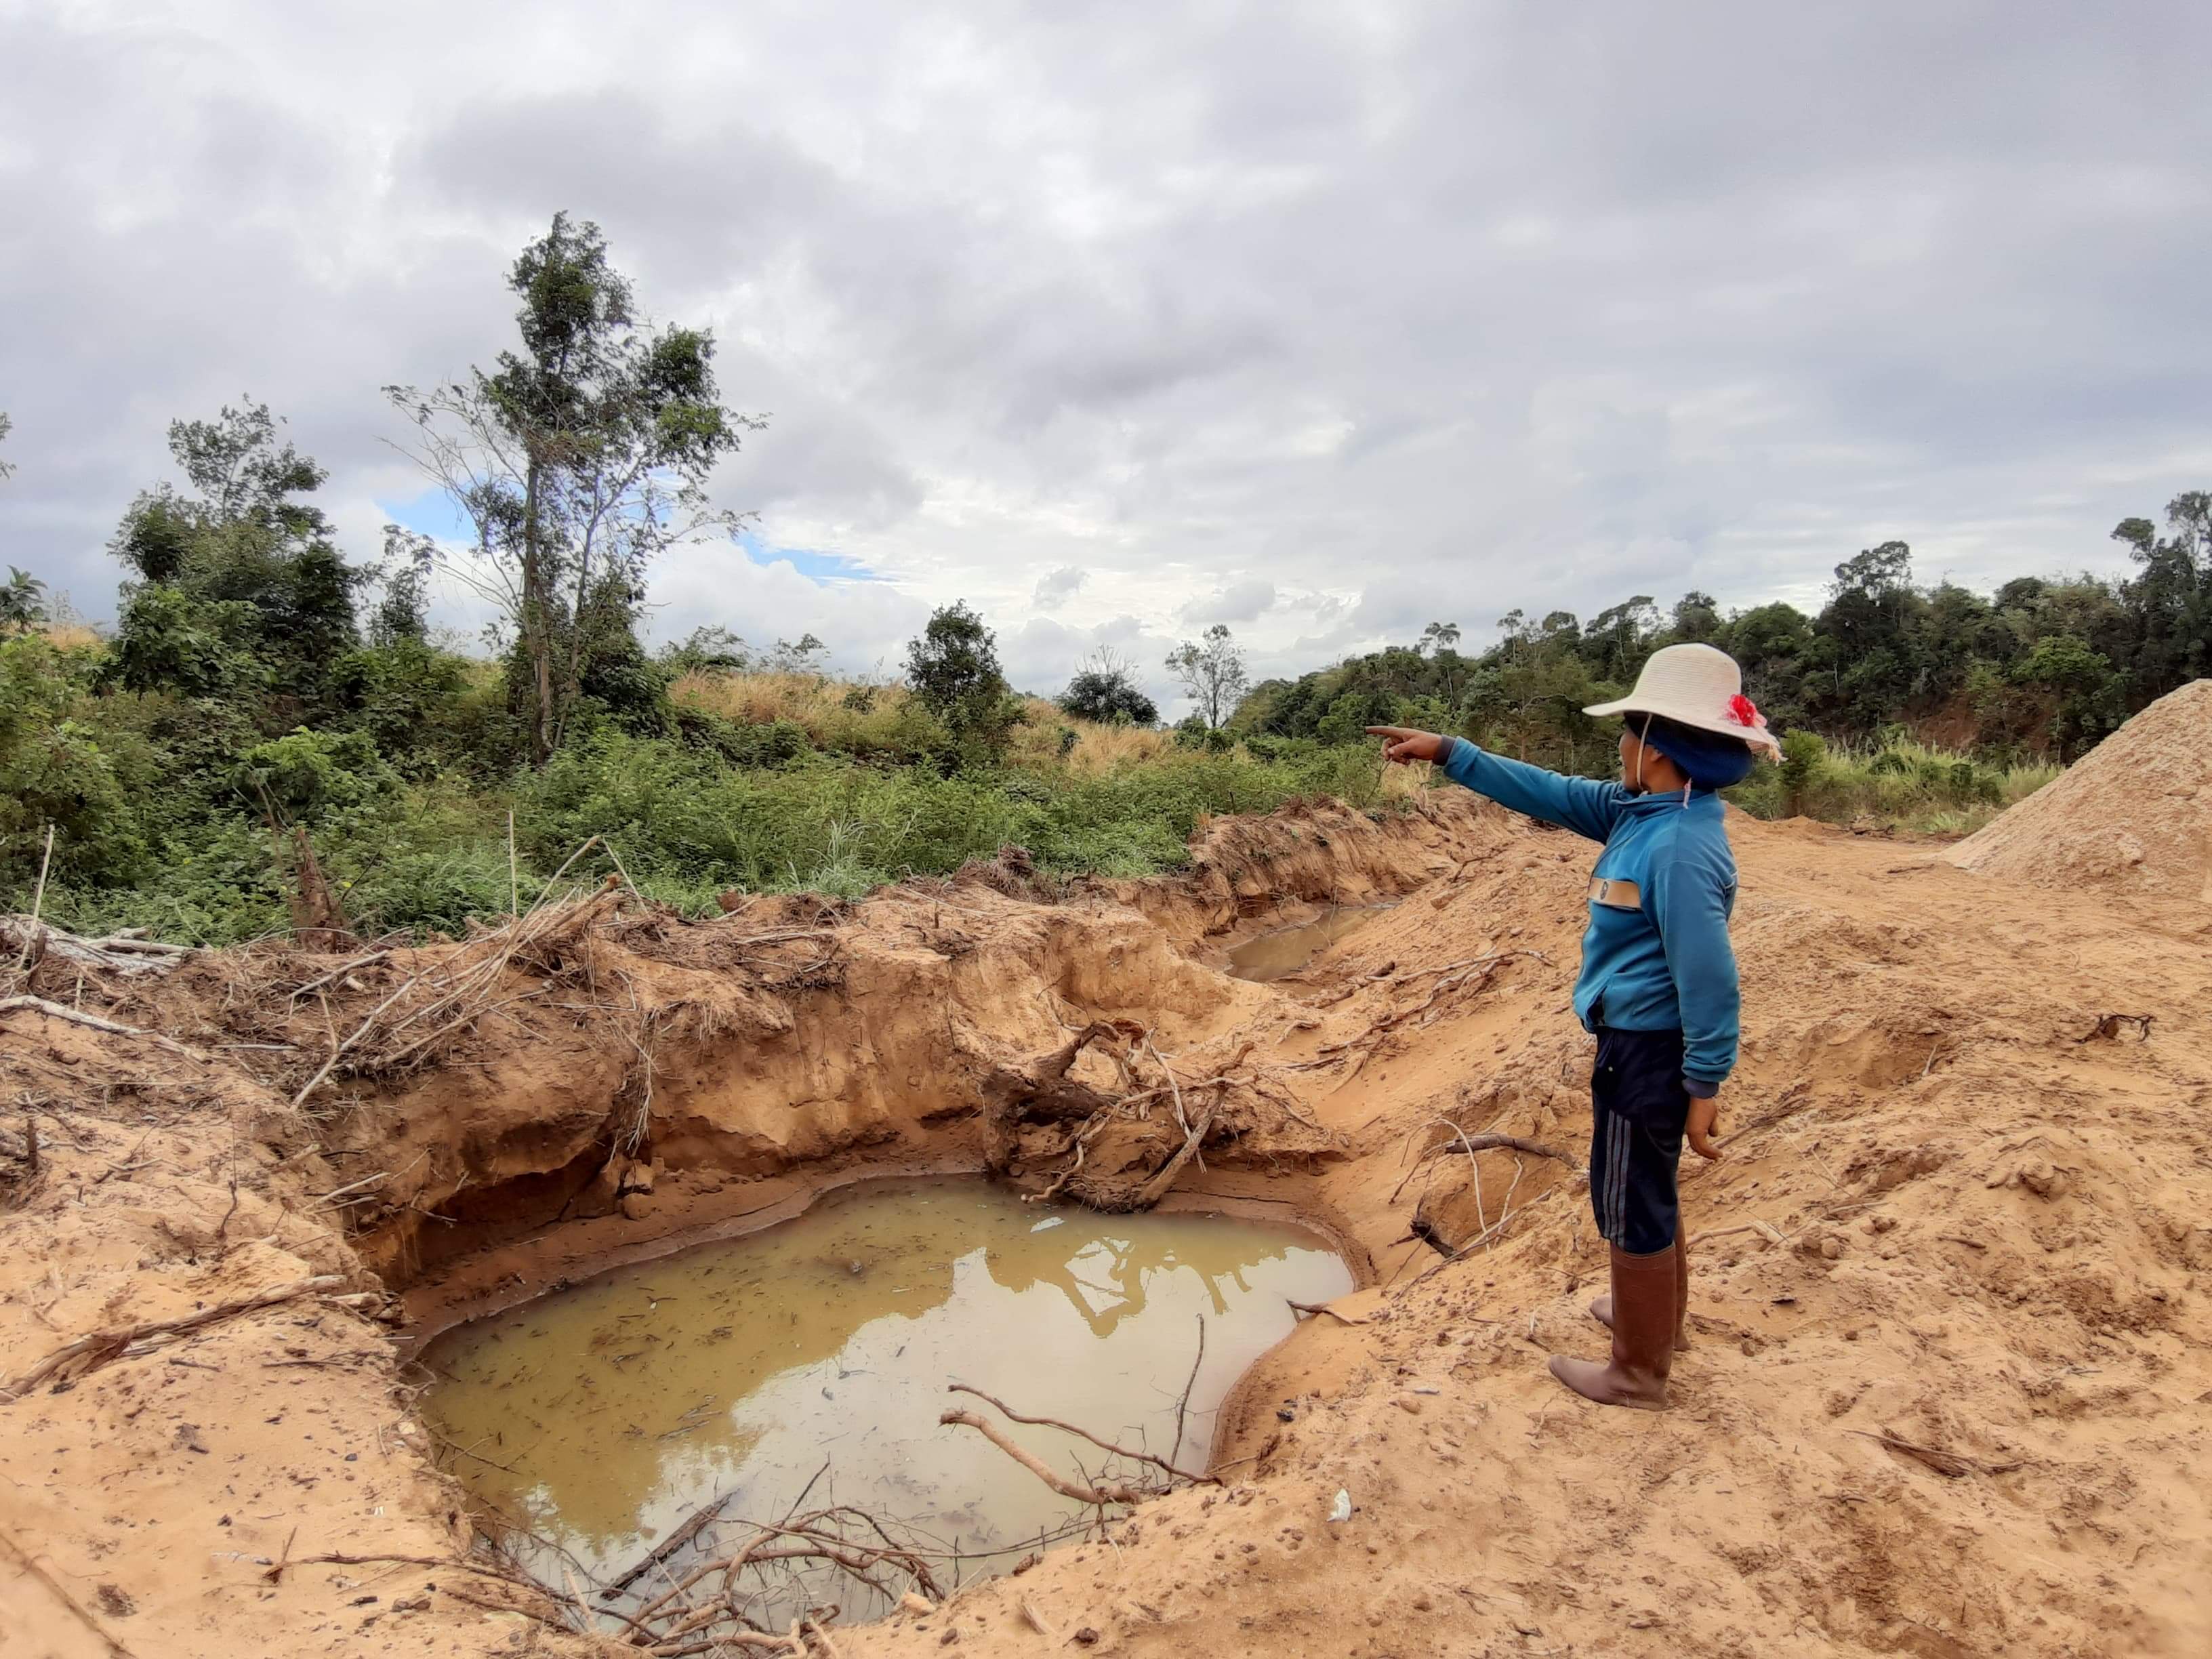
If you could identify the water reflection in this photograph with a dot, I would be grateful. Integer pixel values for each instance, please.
(606, 1414)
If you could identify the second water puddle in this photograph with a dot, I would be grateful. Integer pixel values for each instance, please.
(1285, 951)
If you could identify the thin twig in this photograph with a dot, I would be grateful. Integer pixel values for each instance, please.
(1189, 1383)
(1102, 1494)
(100, 1348)
(78, 1016)
(1085, 1434)
(38, 903)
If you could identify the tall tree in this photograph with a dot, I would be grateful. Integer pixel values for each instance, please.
(578, 460)
(1211, 674)
(1697, 617)
(6, 427)
(2171, 594)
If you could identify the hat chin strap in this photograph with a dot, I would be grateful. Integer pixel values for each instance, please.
(1642, 747)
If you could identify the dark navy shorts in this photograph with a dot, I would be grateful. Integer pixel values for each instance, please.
(1639, 1109)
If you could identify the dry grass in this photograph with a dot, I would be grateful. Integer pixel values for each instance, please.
(859, 717)
(820, 705)
(70, 636)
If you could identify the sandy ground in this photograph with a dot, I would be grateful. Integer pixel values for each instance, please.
(1953, 1364)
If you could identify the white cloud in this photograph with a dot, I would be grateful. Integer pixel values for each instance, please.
(1323, 321)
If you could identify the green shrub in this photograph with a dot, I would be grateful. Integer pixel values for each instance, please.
(307, 777)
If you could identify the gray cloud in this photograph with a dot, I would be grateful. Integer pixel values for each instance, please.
(1399, 312)
(1056, 587)
(1238, 602)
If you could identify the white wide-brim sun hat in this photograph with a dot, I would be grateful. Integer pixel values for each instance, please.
(1698, 686)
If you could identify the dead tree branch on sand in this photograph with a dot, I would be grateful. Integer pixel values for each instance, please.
(123, 953)
(93, 1022)
(1473, 974)
(90, 1352)
(1482, 1143)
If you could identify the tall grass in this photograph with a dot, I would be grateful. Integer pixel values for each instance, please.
(690, 826)
(1906, 784)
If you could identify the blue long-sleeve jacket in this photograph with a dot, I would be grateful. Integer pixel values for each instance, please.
(1656, 955)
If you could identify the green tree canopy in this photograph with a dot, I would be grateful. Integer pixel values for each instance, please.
(953, 666)
(578, 460)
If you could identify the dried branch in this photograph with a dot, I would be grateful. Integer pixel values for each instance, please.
(1101, 1495)
(1949, 1464)
(1475, 973)
(1085, 1434)
(1323, 1308)
(90, 1352)
(701, 1518)
(2108, 1027)
(93, 1022)
(1182, 1404)
(1482, 1143)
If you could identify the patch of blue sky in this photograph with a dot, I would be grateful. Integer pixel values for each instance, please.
(433, 512)
(822, 569)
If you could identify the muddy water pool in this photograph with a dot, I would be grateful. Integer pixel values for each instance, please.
(1282, 953)
(603, 1415)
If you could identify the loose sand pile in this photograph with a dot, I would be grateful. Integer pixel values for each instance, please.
(2135, 814)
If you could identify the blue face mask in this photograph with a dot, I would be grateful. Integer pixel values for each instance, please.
(1708, 759)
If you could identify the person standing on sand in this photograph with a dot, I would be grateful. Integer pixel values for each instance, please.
(1658, 982)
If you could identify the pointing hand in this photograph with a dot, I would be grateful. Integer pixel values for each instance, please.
(1403, 745)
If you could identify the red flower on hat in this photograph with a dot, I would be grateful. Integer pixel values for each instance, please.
(1744, 712)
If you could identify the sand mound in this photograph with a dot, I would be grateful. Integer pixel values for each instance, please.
(2136, 813)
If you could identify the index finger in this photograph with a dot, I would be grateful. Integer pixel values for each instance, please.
(1395, 733)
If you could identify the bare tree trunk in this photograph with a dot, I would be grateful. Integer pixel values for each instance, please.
(536, 635)
(317, 916)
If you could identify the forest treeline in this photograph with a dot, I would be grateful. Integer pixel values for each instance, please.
(2042, 668)
(271, 735)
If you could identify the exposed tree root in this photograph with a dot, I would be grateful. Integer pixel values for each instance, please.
(1039, 1112)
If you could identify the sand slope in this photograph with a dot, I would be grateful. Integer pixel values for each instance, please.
(2134, 815)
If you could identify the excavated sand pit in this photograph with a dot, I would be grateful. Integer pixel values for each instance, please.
(816, 1354)
(1948, 1392)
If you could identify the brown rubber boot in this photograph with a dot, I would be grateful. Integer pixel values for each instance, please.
(1601, 1309)
(1643, 1302)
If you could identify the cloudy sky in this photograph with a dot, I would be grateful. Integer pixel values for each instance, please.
(1116, 320)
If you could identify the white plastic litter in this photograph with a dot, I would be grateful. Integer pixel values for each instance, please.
(1340, 1510)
